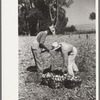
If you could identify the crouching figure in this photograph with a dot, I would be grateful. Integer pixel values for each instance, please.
(69, 53)
(39, 47)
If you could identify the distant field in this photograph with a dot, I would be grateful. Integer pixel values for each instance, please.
(86, 27)
(85, 60)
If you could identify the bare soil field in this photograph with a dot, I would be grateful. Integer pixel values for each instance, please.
(29, 88)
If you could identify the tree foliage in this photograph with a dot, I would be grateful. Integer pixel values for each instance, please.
(72, 28)
(62, 22)
(38, 15)
(92, 16)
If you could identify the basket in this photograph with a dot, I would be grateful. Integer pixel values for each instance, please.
(58, 81)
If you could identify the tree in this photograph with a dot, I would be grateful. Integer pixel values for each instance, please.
(57, 13)
(29, 17)
(40, 14)
(72, 28)
(61, 21)
(92, 16)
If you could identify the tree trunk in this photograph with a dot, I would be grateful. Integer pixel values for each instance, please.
(57, 11)
(38, 26)
(57, 18)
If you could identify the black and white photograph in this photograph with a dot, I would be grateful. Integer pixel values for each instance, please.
(57, 49)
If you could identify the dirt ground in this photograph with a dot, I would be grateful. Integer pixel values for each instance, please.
(29, 88)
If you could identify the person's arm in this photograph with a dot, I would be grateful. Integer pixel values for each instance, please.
(43, 46)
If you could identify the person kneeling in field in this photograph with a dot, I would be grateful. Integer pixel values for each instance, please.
(38, 44)
(69, 53)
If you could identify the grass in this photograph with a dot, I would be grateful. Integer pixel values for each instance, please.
(85, 60)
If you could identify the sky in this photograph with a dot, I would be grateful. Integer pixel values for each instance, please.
(78, 12)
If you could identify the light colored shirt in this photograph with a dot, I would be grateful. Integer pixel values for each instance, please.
(66, 48)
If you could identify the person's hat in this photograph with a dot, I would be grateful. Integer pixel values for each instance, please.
(55, 46)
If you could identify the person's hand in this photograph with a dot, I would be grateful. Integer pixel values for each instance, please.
(42, 51)
(45, 50)
(64, 70)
